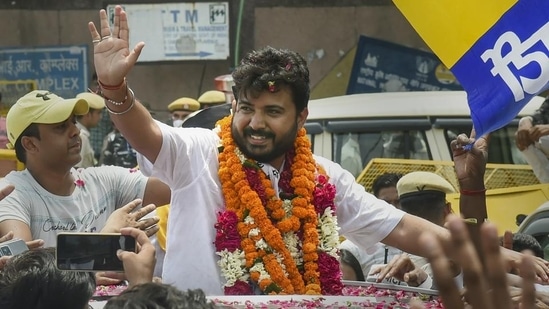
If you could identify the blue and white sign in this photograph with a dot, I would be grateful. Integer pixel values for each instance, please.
(62, 70)
(382, 66)
(179, 31)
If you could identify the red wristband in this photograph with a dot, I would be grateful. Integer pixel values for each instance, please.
(109, 87)
(473, 192)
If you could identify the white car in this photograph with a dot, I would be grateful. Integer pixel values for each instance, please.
(353, 129)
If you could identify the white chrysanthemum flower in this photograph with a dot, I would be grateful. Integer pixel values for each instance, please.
(261, 244)
(232, 265)
(280, 259)
(240, 155)
(253, 232)
(249, 220)
(287, 206)
(329, 237)
(292, 242)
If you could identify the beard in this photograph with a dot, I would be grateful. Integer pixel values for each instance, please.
(261, 153)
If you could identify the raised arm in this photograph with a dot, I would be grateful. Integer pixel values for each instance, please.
(470, 166)
(113, 61)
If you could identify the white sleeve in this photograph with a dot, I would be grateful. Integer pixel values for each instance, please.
(538, 161)
(362, 218)
(182, 156)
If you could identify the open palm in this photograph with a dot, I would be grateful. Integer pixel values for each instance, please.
(112, 56)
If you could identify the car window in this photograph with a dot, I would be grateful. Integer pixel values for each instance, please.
(354, 150)
(313, 128)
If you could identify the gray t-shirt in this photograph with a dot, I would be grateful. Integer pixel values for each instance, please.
(99, 191)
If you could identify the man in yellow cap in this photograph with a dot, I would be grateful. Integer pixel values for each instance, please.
(87, 121)
(50, 195)
(211, 98)
(422, 194)
(181, 108)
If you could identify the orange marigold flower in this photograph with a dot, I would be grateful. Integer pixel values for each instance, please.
(254, 275)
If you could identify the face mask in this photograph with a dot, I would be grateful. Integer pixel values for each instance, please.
(177, 123)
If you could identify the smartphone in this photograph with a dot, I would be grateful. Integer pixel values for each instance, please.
(13, 247)
(92, 251)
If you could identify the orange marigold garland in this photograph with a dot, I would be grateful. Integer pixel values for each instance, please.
(271, 243)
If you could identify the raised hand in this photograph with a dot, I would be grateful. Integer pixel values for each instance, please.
(486, 287)
(127, 217)
(470, 156)
(112, 57)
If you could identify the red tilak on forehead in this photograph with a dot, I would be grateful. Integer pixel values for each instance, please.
(271, 86)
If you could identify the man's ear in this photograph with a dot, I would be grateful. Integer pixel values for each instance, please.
(448, 209)
(29, 143)
(302, 117)
(233, 106)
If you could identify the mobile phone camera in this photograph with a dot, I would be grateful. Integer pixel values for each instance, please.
(5, 250)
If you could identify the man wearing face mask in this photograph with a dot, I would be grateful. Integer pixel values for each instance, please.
(181, 108)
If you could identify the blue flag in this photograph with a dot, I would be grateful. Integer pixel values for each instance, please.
(501, 56)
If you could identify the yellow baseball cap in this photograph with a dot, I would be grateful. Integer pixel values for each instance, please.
(95, 101)
(184, 104)
(415, 183)
(40, 106)
(212, 97)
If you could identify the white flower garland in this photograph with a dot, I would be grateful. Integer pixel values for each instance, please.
(328, 231)
(233, 266)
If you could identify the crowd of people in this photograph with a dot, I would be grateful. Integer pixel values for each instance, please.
(251, 209)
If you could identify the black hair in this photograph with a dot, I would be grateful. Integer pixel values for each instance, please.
(31, 280)
(20, 152)
(427, 205)
(159, 296)
(519, 218)
(270, 69)
(383, 181)
(346, 257)
(523, 241)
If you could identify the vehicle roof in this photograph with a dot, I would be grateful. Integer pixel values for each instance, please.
(395, 104)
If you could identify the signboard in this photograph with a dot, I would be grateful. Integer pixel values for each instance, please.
(12, 90)
(62, 70)
(381, 66)
(179, 31)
